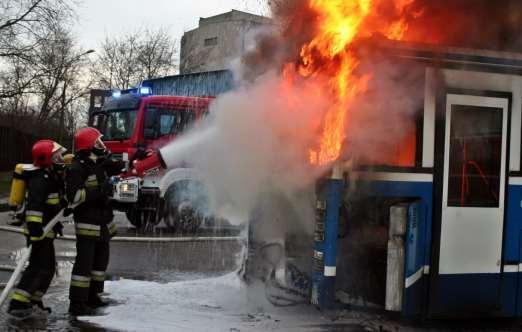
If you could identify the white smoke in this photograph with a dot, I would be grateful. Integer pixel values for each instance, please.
(254, 145)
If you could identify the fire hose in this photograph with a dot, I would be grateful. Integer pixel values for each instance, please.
(25, 257)
(141, 239)
(288, 298)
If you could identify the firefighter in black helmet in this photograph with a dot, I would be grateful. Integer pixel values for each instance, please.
(89, 189)
(44, 200)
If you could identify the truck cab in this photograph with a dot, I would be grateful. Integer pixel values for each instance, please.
(135, 121)
(132, 121)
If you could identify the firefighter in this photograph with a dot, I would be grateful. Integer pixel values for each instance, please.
(89, 190)
(44, 200)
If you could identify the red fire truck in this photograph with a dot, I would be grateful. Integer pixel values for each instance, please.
(133, 122)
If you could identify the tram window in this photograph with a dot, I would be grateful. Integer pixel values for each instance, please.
(475, 156)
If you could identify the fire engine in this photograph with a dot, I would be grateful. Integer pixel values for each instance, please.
(135, 121)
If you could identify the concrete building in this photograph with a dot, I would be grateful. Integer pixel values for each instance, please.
(218, 40)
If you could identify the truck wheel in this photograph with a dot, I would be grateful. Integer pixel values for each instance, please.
(182, 217)
(184, 202)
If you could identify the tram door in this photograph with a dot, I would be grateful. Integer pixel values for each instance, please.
(468, 274)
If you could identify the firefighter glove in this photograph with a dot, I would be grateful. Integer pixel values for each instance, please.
(67, 212)
(112, 166)
(58, 229)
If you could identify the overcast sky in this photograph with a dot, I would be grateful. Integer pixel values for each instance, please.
(98, 18)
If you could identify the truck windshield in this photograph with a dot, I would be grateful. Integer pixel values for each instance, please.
(119, 124)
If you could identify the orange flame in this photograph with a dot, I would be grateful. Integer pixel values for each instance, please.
(329, 54)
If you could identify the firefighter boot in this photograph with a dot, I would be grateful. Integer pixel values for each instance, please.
(20, 310)
(40, 306)
(77, 308)
(97, 302)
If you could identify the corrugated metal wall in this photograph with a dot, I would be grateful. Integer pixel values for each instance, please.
(193, 85)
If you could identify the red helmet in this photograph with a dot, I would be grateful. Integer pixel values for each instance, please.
(45, 152)
(87, 139)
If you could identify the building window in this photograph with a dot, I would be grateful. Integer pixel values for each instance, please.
(211, 41)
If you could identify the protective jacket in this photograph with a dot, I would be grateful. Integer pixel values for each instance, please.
(88, 189)
(45, 196)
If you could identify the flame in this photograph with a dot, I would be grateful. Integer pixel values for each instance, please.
(329, 55)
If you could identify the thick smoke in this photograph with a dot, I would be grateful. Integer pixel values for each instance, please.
(482, 24)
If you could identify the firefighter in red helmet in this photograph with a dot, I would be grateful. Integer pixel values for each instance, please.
(89, 190)
(44, 200)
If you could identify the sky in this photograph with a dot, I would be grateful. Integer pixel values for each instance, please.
(99, 18)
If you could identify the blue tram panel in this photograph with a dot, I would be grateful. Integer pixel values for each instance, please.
(325, 244)
(415, 270)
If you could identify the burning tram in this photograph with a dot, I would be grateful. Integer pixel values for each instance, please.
(437, 233)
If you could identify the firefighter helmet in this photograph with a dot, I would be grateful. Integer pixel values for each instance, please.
(87, 139)
(46, 152)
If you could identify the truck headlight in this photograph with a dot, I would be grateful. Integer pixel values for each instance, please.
(126, 187)
(127, 190)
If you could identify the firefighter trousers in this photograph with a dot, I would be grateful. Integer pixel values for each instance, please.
(88, 274)
(39, 273)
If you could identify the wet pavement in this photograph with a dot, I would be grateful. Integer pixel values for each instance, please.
(160, 262)
(191, 285)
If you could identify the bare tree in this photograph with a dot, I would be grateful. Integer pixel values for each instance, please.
(63, 83)
(158, 54)
(25, 25)
(126, 61)
(42, 72)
